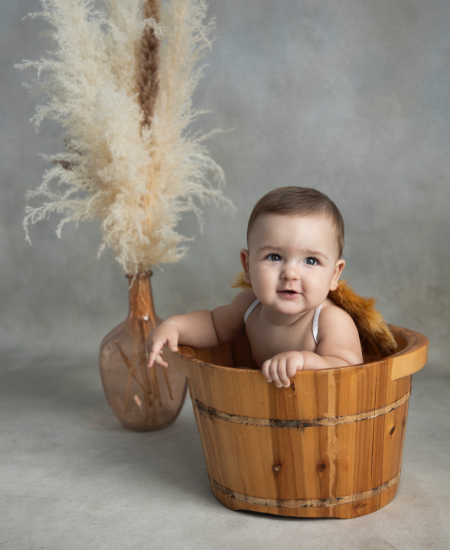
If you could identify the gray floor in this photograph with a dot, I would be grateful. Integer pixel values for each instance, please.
(73, 478)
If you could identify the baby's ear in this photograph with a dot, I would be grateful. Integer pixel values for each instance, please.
(338, 269)
(245, 261)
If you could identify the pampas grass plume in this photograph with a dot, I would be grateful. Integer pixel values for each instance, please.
(120, 83)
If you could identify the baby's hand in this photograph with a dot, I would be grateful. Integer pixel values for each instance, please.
(282, 367)
(166, 334)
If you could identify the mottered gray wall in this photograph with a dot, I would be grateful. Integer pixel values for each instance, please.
(350, 97)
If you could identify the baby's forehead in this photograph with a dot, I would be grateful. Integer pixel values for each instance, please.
(262, 222)
(265, 228)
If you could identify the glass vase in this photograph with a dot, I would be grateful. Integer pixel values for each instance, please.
(142, 398)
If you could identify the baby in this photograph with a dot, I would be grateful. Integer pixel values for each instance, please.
(295, 239)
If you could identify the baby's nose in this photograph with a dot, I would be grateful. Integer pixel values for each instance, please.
(290, 272)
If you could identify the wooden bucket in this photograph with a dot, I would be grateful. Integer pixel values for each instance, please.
(330, 445)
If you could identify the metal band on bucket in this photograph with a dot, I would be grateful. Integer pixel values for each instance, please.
(310, 503)
(308, 423)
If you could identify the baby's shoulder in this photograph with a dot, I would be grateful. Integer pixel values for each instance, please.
(229, 320)
(234, 311)
(333, 316)
(242, 301)
(338, 332)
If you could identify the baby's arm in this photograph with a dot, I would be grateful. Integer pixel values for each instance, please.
(200, 329)
(338, 346)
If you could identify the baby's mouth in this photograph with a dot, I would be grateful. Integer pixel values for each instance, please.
(287, 292)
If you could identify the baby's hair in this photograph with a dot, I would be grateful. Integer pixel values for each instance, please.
(302, 201)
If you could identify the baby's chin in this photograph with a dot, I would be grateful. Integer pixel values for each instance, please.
(289, 296)
(290, 306)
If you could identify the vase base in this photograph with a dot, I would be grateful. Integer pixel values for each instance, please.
(148, 428)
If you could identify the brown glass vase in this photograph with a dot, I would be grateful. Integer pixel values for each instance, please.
(142, 398)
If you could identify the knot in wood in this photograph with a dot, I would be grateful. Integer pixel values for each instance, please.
(276, 467)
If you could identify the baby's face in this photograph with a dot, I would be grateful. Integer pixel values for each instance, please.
(292, 262)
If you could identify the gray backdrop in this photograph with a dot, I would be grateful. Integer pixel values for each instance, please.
(350, 97)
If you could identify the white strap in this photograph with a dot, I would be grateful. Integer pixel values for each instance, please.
(250, 309)
(315, 324)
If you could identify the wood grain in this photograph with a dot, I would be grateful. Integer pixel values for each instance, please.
(330, 445)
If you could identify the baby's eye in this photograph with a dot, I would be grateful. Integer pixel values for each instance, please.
(274, 257)
(311, 261)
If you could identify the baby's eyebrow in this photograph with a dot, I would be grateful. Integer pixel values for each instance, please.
(316, 253)
(269, 246)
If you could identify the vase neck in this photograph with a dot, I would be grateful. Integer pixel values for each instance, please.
(141, 305)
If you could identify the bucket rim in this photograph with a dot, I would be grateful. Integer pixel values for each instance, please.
(415, 344)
